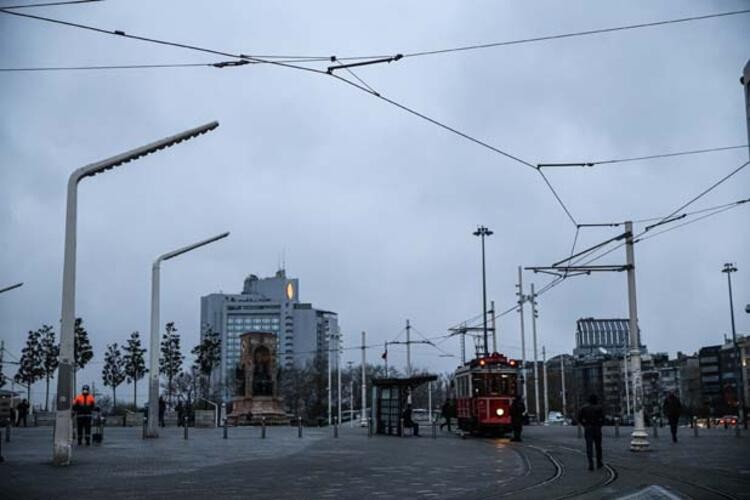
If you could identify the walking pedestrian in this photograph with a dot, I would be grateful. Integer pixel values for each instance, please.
(22, 410)
(83, 407)
(162, 410)
(408, 422)
(447, 412)
(591, 418)
(517, 409)
(672, 410)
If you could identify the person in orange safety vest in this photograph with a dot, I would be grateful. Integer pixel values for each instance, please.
(83, 407)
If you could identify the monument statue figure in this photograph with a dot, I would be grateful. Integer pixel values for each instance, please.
(256, 397)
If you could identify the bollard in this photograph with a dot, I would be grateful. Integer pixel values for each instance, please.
(617, 427)
(35, 420)
(263, 427)
(335, 427)
(403, 431)
(434, 430)
(695, 427)
(185, 427)
(580, 434)
(224, 432)
(7, 432)
(369, 427)
(145, 425)
(299, 427)
(655, 427)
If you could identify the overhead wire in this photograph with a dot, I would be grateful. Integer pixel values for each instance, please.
(575, 34)
(640, 158)
(49, 4)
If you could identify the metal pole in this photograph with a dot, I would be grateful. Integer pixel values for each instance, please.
(521, 300)
(429, 400)
(536, 358)
(153, 376)
(562, 375)
(639, 441)
(494, 326)
(185, 427)
(739, 378)
(224, 432)
(299, 427)
(363, 419)
(330, 395)
(463, 346)
(544, 375)
(263, 427)
(338, 375)
(351, 396)
(484, 296)
(62, 448)
(745, 81)
(335, 427)
(408, 349)
(627, 383)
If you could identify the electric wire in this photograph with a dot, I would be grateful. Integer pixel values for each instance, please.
(640, 158)
(575, 34)
(49, 4)
(557, 197)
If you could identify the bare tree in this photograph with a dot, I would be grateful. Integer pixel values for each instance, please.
(170, 362)
(135, 363)
(50, 357)
(113, 372)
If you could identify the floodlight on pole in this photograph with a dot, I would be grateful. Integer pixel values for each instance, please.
(482, 232)
(62, 446)
(11, 287)
(153, 376)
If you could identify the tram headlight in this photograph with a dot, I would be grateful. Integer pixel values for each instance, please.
(499, 412)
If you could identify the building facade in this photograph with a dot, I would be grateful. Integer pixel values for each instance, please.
(268, 305)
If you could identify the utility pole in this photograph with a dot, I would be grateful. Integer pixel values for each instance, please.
(363, 418)
(463, 346)
(639, 441)
(385, 357)
(745, 81)
(338, 375)
(482, 232)
(351, 395)
(494, 327)
(739, 382)
(408, 349)
(627, 378)
(330, 402)
(546, 394)
(536, 356)
(521, 300)
(562, 376)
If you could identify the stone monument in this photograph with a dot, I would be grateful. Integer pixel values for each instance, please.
(257, 391)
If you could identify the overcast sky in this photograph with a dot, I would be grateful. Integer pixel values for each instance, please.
(372, 207)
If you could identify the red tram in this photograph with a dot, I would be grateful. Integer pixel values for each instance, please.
(485, 388)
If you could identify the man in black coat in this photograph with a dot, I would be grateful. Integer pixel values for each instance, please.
(591, 417)
(672, 410)
(517, 409)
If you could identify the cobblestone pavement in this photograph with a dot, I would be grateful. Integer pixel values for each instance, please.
(548, 464)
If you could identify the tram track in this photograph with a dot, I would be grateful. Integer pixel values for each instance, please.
(709, 489)
(558, 472)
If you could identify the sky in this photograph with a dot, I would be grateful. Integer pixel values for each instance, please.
(372, 208)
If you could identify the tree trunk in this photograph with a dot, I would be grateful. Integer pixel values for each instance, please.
(135, 393)
(169, 389)
(46, 395)
(28, 392)
(114, 399)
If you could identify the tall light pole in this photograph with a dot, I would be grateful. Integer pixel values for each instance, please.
(482, 232)
(639, 437)
(153, 377)
(739, 382)
(363, 417)
(62, 448)
(11, 287)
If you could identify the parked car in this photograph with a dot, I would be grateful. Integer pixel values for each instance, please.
(557, 418)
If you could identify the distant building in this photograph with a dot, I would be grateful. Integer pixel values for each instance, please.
(710, 367)
(268, 305)
(602, 337)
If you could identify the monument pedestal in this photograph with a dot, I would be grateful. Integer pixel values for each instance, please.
(251, 411)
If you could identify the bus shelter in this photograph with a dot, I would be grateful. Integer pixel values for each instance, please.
(389, 397)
